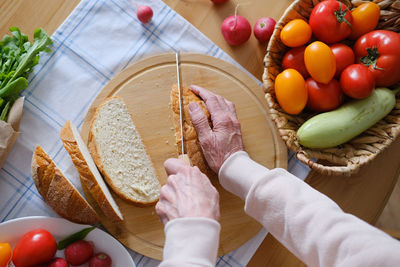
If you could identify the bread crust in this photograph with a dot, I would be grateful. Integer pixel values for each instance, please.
(93, 148)
(87, 177)
(57, 192)
(191, 143)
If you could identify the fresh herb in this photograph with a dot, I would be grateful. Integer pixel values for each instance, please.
(74, 237)
(17, 58)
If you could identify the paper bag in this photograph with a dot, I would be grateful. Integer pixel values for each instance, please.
(9, 129)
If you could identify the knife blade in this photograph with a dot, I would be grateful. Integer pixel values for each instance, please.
(178, 77)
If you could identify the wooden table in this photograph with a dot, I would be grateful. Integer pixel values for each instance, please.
(363, 195)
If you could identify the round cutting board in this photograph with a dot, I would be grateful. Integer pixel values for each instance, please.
(145, 87)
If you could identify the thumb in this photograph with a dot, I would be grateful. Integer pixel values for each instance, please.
(199, 119)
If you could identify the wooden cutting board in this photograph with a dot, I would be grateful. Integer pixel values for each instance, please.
(145, 87)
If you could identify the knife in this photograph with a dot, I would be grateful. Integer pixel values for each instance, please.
(184, 156)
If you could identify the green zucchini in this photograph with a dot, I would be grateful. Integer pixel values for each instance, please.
(336, 127)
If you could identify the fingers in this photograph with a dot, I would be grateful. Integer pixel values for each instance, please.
(199, 119)
(212, 100)
(173, 165)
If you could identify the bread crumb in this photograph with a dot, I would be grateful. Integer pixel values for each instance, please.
(166, 141)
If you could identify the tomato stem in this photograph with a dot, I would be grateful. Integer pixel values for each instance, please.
(340, 15)
(371, 58)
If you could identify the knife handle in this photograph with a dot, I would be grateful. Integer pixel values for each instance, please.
(186, 159)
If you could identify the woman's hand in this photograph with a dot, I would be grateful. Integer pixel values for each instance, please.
(188, 193)
(226, 137)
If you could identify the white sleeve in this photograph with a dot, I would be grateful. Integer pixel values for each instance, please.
(308, 223)
(191, 242)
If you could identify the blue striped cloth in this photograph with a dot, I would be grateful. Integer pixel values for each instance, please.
(98, 40)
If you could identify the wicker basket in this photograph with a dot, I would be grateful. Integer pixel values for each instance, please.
(345, 159)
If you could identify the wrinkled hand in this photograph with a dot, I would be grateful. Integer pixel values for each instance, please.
(226, 137)
(188, 193)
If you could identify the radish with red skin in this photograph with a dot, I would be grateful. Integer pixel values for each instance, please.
(236, 30)
(264, 28)
(79, 252)
(219, 1)
(58, 262)
(100, 260)
(144, 13)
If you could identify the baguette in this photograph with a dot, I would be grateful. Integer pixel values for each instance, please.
(120, 155)
(58, 192)
(191, 143)
(88, 172)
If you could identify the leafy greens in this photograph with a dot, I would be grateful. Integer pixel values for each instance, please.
(17, 58)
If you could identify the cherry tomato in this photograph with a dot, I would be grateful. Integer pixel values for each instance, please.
(331, 21)
(294, 59)
(290, 91)
(357, 81)
(320, 62)
(365, 19)
(35, 247)
(323, 97)
(5, 254)
(296, 33)
(344, 56)
(380, 51)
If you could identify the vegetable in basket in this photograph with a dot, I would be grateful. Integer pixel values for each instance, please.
(17, 58)
(336, 127)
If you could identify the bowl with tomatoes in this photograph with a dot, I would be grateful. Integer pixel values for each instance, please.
(329, 68)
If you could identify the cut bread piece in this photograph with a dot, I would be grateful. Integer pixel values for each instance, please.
(88, 171)
(120, 155)
(191, 142)
(58, 192)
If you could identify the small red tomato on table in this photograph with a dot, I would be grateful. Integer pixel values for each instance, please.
(357, 81)
(380, 51)
(33, 248)
(331, 21)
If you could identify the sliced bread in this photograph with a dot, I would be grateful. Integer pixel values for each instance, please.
(88, 172)
(191, 143)
(120, 155)
(58, 192)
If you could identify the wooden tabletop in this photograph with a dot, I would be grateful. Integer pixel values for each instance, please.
(363, 195)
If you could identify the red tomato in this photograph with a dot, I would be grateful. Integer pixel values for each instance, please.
(357, 81)
(323, 97)
(380, 51)
(344, 56)
(331, 21)
(294, 59)
(35, 247)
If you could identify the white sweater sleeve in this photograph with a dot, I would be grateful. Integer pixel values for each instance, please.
(305, 221)
(191, 242)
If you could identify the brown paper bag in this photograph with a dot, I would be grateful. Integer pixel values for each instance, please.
(9, 129)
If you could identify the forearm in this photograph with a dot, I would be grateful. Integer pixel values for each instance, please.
(308, 223)
(191, 242)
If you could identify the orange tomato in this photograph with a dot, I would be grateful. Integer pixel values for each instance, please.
(320, 62)
(5, 254)
(291, 91)
(365, 19)
(296, 33)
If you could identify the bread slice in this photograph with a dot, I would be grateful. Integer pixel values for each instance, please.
(58, 192)
(120, 155)
(191, 142)
(88, 172)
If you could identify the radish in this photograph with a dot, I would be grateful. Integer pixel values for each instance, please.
(264, 28)
(219, 1)
(236, 29)
(144, 13)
